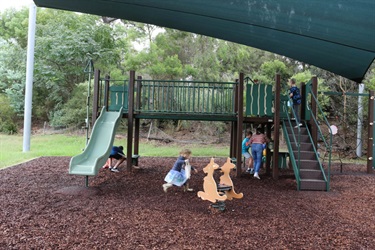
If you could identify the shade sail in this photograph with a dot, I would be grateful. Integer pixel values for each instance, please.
(335, 35)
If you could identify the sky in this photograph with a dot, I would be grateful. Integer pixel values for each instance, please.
(5, 4)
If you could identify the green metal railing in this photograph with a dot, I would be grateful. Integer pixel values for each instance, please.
(187, 97)
(296, 139)
(328, 145)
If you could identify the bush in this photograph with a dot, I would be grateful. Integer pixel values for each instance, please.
(73, 113)
(7, 116)
(8, 127)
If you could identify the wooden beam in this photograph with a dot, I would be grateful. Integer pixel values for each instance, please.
(137, 120)
(106, 91)
(95, 100)
(314, 126)
(370, 139)
(129, 151)
(276, 129)
(239, 124)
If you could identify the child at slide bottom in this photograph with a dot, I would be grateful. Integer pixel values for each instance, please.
(118, 154)
(179, 175)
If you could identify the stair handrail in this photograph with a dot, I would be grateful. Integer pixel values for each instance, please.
(291, 155)
(297, 140)
(316, 154)
(328, 145)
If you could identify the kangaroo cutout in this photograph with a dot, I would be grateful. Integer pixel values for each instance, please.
(209, 184)
(226, 180)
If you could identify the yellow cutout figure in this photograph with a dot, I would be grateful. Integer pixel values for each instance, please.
(209, 184)
(227, 181)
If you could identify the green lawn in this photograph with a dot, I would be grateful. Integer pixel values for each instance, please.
(11, 148)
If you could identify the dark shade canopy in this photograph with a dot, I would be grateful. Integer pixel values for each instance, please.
(335, 35)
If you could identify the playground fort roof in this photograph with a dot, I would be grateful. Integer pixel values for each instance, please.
(335, 35)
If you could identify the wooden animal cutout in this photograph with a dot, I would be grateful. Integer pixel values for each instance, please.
(227, 181)
(209, 184)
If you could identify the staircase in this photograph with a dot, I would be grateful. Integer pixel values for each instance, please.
(308, 170)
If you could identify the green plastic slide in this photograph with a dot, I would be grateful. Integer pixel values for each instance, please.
(99, 147)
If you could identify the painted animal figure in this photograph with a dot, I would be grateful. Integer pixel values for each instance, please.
(227, 181)
(209, 184)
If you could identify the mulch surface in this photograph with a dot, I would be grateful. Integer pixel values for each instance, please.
(43, 207)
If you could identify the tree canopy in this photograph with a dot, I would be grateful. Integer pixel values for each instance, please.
(66, 40)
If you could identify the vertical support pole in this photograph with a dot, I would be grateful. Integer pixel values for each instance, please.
(129, 152)
(106, 91)
(95, 100)
(232, 145)
(370, 140)
(86, 181)
(234, 123)
(276, 129)
(268, 158)
(137, 120)
(303, 101)
(239, 123)
(29, 78)
(361, 87)
(314, 128)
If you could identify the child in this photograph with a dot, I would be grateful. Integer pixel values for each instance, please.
(245, 151)
(118, 154)
(178, 175)
(294, 93)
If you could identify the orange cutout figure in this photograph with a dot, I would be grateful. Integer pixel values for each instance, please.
(209, 184)
(225, 180)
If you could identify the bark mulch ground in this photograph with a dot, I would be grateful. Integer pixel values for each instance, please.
(43, 207)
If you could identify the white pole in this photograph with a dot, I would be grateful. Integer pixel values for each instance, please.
(29, 78)
(361, 87)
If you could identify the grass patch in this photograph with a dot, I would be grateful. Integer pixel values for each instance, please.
(11, 148)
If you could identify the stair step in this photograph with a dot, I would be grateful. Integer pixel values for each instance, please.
(302, 130)
(305, 155)
(313, 184)
(301, 138)
(311, 174)
(304, 146)
(309, 164)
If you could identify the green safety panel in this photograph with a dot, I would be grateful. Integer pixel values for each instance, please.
(116, 95)
(285, 107)
(334, 35)
(308, 89)
(259, 100)
(373, 145)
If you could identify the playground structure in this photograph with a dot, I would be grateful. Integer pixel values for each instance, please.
(218, 193)
(222, 101)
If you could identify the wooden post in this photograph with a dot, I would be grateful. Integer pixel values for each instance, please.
(268, 158)
(95, 99)
(129, 152)
(232, 145)
(137, 120)
(106, 91)
(370, 140)
(276, 129)
(303, 101)
(314, 127)
(233, 135)
(239, 124)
